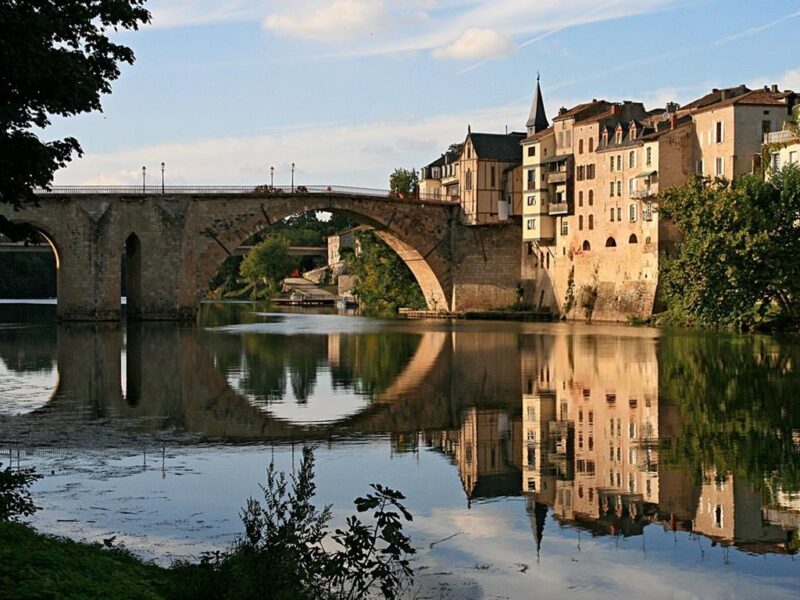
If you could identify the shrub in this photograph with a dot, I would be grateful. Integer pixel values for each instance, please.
(15, 496)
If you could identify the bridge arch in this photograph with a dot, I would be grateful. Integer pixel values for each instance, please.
(47, 233)
(415, 245)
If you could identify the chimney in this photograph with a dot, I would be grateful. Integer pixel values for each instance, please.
(672, 107)
(562, 110)
(723, 95)
(714, 90)
(615, 109)
(673, 118)
(774, 87)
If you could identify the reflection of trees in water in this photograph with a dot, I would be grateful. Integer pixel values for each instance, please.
(369, 363)
(265, 363)
(28, 348)
(739, 399)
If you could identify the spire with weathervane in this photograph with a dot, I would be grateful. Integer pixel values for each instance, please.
(538, 120)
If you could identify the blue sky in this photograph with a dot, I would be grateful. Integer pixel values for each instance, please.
(350, 89)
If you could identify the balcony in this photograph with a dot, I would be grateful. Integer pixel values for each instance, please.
(558, 208)
(557, 177)
(646, 193)
(776, 137)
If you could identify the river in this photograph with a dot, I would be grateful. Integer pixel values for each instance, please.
(545, 460)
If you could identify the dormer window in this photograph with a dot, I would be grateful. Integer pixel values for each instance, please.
(619, 135)
(605, 137)
(633, 132)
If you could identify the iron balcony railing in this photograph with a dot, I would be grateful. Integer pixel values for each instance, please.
(244, 190)
(646, 193)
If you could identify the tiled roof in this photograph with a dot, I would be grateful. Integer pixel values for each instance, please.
(498, 146)
(737, 95)
(584, 111)
(538, 135)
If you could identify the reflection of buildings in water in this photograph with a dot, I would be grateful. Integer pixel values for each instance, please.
(485, 448)
(590, 431)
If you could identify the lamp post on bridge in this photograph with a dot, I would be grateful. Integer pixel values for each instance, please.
(272, 177)
(144, 179)
(293, 178)
(162, 176)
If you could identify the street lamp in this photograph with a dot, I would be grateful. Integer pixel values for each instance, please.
(162, 176)
(144, 178)
(293, 178)
(271, 176)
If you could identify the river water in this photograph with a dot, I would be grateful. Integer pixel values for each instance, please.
(546, 460)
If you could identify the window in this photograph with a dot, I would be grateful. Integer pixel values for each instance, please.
(648, 211)
(611, 189)
(531, 200)
(649, 156)
(612, 214)
(567, 138)
(580, 222)
(581, 173)
(590, 171)
(632, 213)
(792, 157)
(591, 144)
(619, 187)
(591, 197)
(631, 159)
(611, 163)
(531, 150)
(619, 213)
(719, 132)
(469, 152)
(586, 246)
(776, 161)
(766, 127)
(633, 239)
(493, 178)
(619, 162)
(700, 167)
(631, 186)
(564, 227)
(591, 222)
(719, 167)
(531, 179)
(531, 224)
(619, 135)
(469, 180)
(580, 146)
(580, 198)
(560, 138)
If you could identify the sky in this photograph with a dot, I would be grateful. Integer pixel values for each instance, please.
(349, 90)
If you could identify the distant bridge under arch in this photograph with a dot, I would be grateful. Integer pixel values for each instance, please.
(182, 235)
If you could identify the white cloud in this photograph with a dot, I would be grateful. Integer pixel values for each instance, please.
(334, 21)
(185, 13)
(358, 155)
(478, 44)
(790, 80)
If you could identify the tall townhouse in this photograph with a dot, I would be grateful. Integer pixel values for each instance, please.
(484, 175)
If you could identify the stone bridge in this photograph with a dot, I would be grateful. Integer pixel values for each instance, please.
(175, 240)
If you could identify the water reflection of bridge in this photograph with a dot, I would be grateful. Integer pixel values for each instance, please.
(595, 425)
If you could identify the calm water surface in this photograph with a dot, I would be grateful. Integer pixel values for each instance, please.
(542, 461)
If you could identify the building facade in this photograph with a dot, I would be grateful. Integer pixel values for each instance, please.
(592, 235)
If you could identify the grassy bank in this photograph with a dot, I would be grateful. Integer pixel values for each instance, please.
(34, 566)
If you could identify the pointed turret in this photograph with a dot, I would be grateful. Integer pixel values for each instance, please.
(538, 119)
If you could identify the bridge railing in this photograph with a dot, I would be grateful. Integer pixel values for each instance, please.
(267, 190)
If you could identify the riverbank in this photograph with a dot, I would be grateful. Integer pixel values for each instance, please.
(34, 566)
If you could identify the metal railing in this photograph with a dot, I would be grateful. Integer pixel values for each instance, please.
(245, 190)
(647, 193)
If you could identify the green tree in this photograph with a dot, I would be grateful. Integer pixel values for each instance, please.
(404, 181)
(384, 281)
(57, 60)
(267, 264)
(738, 263)
(15, 496)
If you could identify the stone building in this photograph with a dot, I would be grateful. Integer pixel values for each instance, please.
(591, 183)
(439, 179)
(782, 147)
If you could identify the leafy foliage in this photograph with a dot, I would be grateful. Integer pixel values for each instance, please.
(27, 275)
(268, 264)
(569, 297)
(15, 496)
(404, 181)
(384, 281)
(57, 59)
(738, 263)
(282, 556)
